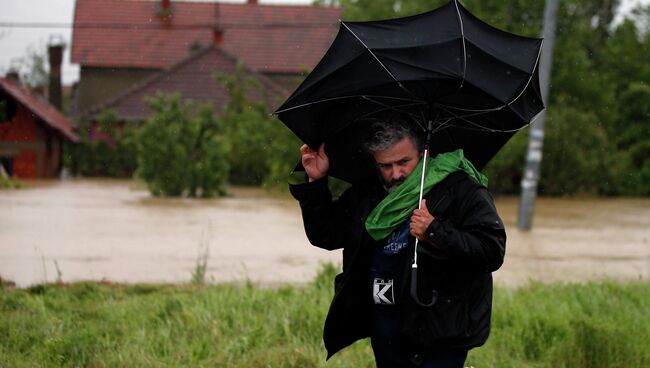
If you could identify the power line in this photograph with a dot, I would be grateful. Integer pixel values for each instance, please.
(156, 25)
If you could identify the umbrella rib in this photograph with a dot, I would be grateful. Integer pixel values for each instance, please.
(389, 107)
(377, 59)
(530, 79)
(441, 126)
(492, 109)
(342, 98)
(464, 118)
(492, 130)
(462, 34)
(539, 53)
(481, 127)
(371, 53)
(502, 106)
(411, 102)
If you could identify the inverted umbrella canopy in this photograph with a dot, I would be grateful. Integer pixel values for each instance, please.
(477, 84)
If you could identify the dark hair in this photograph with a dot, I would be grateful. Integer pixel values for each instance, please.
(385, 132)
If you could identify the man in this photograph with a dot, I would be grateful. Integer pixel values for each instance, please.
(462, 240)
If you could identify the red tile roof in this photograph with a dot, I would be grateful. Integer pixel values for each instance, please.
(267, 38)
(41, 108)
(194, 79)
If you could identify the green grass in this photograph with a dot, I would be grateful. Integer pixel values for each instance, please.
(105, 325)
(604, 324)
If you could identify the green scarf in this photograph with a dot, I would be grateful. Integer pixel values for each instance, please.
(398, 206)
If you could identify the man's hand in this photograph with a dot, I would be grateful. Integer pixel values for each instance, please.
(316, 163)
(420, 221)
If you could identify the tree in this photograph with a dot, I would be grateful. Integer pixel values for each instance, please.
(33, 68)
(263, 150)
(633, 139)
(519, 16)
(180, 150)
(579, 156)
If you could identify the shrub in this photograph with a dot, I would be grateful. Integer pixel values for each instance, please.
(505, 169)
(112, 155)
(180, 151)
(10, 183)
(578, 156)
(263, 150)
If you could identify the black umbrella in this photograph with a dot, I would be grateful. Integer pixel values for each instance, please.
(473, 85)
(477, 84)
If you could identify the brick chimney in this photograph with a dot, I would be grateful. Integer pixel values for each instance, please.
(55, 53)
(252, 2)
(13, 77)
(217, 37)
(165, 12)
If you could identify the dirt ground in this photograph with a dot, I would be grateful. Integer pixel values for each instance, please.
(113, 230)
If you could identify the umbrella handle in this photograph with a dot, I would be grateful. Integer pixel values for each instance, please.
(414, 289)
(424, 168)
(414, 266)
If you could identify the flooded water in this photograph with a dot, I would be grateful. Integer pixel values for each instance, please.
(115, 231)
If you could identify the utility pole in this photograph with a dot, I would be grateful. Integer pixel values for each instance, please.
(536, 134)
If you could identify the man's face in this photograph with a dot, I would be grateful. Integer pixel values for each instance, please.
(397, 162)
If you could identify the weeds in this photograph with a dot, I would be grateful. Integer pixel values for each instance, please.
(10, 183)
(6, 284)
(59, 274)
(201, 265)
(200, 268)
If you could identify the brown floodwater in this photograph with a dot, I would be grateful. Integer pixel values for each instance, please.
(114, 230)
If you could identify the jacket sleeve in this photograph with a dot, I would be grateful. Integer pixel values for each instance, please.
(478, 239)
(324, 219)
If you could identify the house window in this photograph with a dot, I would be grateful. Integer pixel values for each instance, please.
(7, 110)
(3, 111)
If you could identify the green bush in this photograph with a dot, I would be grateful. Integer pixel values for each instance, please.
(505, 169)
(180, 151)
(112, 157)
(283, 154)
(263, 150)
(633, 141)
(249, 134)
(578, 156)
(10, 183)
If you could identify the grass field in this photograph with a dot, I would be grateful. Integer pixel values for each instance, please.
(603, 324)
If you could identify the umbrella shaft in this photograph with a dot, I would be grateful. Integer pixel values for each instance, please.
(424, 167)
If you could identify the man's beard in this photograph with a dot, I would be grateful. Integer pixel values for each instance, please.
(393, 184)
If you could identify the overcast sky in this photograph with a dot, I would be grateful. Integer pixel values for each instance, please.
(15, 42)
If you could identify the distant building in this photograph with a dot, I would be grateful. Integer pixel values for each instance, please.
(129, 49)
(32, 132)
(191, 78)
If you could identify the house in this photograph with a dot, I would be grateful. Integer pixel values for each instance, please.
(32, 132)
(129, 49)
(193, 79)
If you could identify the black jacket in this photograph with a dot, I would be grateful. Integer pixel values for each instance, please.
(469, 240)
